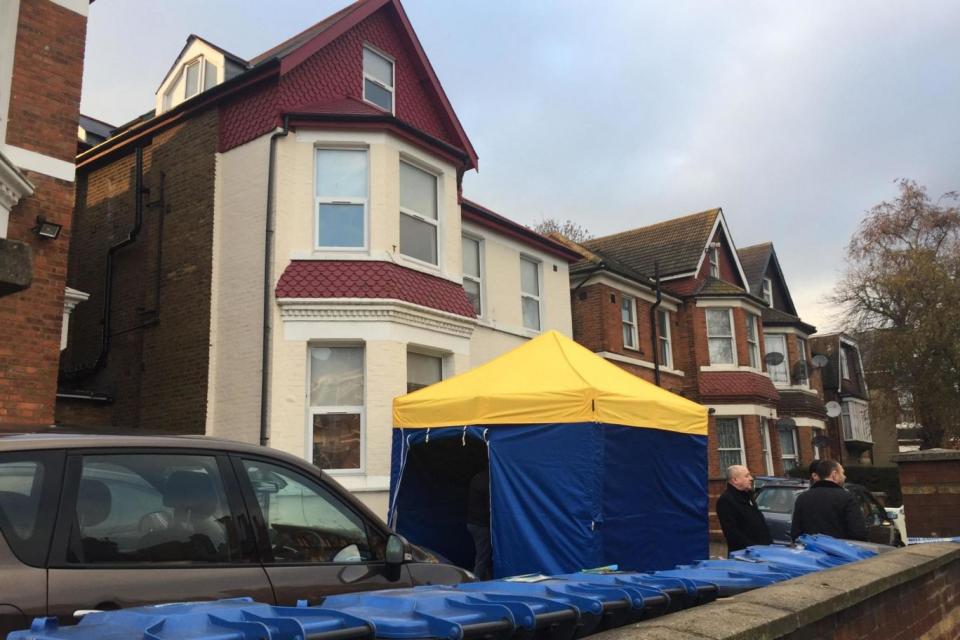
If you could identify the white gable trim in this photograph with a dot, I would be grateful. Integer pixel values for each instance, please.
(721, 222)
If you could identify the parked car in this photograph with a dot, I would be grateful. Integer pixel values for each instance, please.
(96, 522)
(776, 499)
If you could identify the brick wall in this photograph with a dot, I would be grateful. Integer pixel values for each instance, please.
(43, 114)
(930, 483)
(157, 364)
(905, 594)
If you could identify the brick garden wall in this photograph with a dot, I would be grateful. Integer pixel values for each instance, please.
(157, 364)
(906, 594)
(930, 484)
(43, 114)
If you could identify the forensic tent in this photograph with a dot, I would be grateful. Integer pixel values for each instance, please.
(589, 465)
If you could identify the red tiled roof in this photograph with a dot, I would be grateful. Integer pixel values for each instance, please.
(348, 105)
(738, 385)
(371, 279)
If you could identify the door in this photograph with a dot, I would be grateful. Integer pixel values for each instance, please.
(143, 527)
(313, 543)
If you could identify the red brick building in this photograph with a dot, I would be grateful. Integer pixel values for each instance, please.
(41, 67)
(702, 337)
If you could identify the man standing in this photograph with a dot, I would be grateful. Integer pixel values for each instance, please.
(828, 508)
(478, 523)
(742, 523)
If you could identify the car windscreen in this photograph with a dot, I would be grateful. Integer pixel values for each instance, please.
(778, 499)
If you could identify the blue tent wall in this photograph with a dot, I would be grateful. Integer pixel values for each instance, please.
(564, 497)
(654, 498)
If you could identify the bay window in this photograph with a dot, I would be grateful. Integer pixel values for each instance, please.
(336, 406)
(720, 336)
(341, 198)
(729, 442)
(753, 341)
(788, 447)
(777, 343)
(418, 214)
(423, 370)
(803, 371)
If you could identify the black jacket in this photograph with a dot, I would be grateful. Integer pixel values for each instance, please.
(742, 523)
(828, 508)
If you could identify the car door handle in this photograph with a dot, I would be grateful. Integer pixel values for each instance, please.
(80, 613)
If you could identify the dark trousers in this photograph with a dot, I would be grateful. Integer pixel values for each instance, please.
(483, 565)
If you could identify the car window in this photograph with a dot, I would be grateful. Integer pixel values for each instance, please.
(308, 523)
(778, 499)
(152, 508)
(29, 483)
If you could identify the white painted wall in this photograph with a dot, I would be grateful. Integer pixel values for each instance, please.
(173, 83)
(501, 325)
(240, 199)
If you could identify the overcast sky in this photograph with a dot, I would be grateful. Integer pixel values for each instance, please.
(794, 117)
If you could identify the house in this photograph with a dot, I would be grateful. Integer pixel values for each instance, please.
(801, 425)
(288, 248)
(701, 336)
(41, 67)
(845, 384)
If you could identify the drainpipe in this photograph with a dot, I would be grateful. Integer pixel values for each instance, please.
(268, 285)
(655, 329)
(105, 319)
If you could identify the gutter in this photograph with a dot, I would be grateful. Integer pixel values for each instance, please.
(268, 286)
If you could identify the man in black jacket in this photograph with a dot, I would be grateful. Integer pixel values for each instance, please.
(828, 508)
(742, 523)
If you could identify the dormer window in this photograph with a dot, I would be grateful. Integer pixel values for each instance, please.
(378, 79)
(767, 291)
(192, 84)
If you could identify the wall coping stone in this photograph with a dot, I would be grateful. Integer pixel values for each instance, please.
(775, 611)
(927, 455)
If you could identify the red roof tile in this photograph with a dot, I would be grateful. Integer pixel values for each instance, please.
(348, 105)
(738, 385)
(371, 279)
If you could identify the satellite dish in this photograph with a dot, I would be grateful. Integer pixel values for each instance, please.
(786, 423)
(821, 442)
(833, 409)
(820, 361)
(773, 358)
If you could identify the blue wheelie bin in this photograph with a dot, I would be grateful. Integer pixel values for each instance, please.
(430, 612)
(835, 547)
(600, 606)
(744, 566)
(233, 619)
(729, 583)
(657, 599)
(790, 558)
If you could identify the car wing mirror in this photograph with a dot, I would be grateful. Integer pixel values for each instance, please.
(398, 550)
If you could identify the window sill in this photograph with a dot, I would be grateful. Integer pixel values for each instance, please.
(732, 367)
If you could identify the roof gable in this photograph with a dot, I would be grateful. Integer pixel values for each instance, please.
(760, 261)
(420, 98)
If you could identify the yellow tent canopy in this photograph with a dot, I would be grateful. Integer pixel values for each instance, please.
(550, 379)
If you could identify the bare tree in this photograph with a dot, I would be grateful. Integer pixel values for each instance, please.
(901, 294)
(568, 229)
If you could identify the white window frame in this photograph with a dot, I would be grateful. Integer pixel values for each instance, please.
(774, 370)
(844, 364)
(480, 267)
(855, 420)
(338, 409)
(740, 449)
(389, 88)
(817, 452)
(802, 362)
(765, 444)
(796, 449)
(200, 71)
(632, 323)
(538, 297)
(666, 355)
(753, 346)
(714, 258)
(404, 211)
(732, 337)
(766, 291)
(442, 357)
(318, 200)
